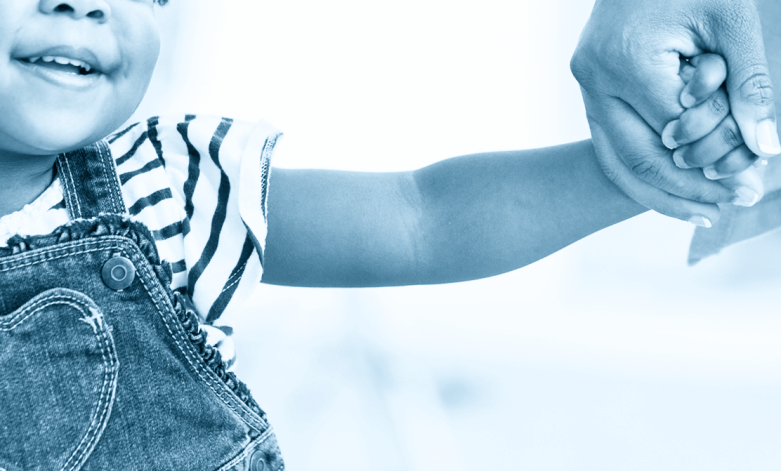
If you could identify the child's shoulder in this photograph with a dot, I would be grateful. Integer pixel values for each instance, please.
(199, 183)
(173, 167)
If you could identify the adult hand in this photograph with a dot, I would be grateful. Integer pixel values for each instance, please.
(628, 63)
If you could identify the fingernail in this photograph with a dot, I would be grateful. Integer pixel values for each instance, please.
(767, 137)
(667, 135)
(701, 221)
(746, 197)
(678, 159)
(687, 99)
(710, 172)
(760, 162)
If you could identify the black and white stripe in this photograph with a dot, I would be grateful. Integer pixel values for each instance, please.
(182, 177)
(199, 184)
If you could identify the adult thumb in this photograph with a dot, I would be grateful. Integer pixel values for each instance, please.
(750, 89)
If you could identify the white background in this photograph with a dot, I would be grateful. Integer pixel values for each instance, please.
(609, 355)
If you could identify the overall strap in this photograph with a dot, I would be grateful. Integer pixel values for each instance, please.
(89, 182)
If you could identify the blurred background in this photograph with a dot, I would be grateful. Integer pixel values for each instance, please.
(609, 355)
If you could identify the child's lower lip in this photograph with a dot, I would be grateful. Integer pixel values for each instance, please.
(62, 79)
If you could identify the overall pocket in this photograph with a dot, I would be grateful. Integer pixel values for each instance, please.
(58, 377)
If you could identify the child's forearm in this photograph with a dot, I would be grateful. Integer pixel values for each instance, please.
(492, 213)
(459, 219)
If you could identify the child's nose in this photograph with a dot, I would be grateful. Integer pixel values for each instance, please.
(77, 9)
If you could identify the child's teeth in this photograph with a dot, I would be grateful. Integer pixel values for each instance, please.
(63, 61)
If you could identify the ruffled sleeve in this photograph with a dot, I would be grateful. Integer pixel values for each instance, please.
(200, 184)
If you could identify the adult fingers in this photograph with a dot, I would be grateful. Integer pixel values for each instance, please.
(731, 164)
(622, 54)
(748, 185)
(696, 123)
(710, 148)
(609, 137)
(700, 214)
(641, 150)
(750, 89)
(709, 71)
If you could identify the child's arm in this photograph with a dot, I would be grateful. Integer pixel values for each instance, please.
(459, 219)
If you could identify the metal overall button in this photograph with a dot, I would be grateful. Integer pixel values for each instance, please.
(256, 462)
(118, 273)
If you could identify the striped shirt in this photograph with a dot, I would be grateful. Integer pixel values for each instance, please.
(199, 183)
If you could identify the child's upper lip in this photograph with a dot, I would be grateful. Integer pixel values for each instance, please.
(76, 53)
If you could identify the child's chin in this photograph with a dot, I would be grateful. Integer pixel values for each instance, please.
(63, 137)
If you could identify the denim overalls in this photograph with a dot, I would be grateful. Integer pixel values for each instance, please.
(102, 366)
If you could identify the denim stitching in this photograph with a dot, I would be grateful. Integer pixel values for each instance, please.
(67, 185)
(109, 376)
(116, 195)
(74, 196)
(105, 177)
(6, 322)
(245, 452)
(108, 389)
(125, 231)
(206, 380)
(13, 267)
(26, 313)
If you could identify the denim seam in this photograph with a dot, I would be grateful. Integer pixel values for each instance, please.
(111, 178)
(251, 446)
(72, 195)
(221, 394)
(108, 391)
(26, 315)
(122, 243)
(14, 267)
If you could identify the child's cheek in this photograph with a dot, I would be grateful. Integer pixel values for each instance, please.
(139, 41)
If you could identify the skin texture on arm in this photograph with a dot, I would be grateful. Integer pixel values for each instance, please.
(459, 219)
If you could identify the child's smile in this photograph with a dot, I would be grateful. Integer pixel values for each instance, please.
(71, 71)
(76, 69)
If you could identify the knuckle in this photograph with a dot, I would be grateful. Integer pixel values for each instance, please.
(648, 170)
(582, 69)
(757, 90)
(718, 104)
(730, 134)
(730, 18)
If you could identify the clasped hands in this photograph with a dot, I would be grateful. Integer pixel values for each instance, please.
(679, 102)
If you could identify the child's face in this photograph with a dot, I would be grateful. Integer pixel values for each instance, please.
(46, 107)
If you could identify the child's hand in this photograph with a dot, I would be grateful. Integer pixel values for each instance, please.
(706, 135)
